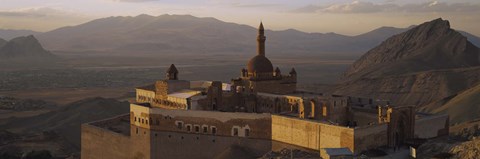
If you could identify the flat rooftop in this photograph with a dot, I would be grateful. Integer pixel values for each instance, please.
(119, 124)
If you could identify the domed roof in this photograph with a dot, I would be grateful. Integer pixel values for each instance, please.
(260, 64)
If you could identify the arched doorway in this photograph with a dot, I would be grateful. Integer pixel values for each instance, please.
(401, 127)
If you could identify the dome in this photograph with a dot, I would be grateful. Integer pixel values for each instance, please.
(260, 64)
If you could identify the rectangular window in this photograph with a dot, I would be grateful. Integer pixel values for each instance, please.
(189, 128)
(197, 129)
(205, 129)
(235, 131)
(247, 132)
(214, 130)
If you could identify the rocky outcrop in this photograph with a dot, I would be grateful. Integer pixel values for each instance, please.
(23, 47)
(429, 62)
(429, 46)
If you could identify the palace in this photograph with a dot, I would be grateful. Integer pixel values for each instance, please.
(258, 112)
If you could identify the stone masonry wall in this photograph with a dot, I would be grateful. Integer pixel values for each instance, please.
(310, 134)
(369, 137)
(98, 143)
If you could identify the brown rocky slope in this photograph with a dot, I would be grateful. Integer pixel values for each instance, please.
(428, 63)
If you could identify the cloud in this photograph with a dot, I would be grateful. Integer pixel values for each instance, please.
(37, 12)
(259, 5)
(369, 7)
(134, 1)
(39, 18)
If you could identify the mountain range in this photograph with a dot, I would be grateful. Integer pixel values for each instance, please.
(430, 66)
(185, 33)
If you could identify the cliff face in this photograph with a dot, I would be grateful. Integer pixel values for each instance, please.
(428, 63)
(19, 47)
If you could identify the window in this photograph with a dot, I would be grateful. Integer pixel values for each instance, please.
(135, 118)
(247, 132)
(136, 131)
(205, 129)
(214, 130)
(189, 128)
(324, 110)
(179, 125)
(143, 121)
(235, 131)
(146, 122)
(197, 128)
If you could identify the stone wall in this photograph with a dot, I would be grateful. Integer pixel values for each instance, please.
(432, 126)
(98, 143)
(199, 146)
(144, 96)
(274, 86)
(369, 137)
(310, 134)
(145, 144)
(251, 125)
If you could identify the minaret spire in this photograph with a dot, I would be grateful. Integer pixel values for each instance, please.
(261, 40)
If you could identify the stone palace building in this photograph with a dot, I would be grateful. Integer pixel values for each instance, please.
(258, 112)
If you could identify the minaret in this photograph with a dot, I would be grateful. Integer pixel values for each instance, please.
(261, 40)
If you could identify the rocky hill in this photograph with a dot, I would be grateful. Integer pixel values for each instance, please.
(23, 47)
(429, 46)
(66, 120)
(428, 63)
(171, 33)
(461, 107)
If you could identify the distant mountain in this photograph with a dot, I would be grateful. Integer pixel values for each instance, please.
(23, 47)
(9, 34)
(185, 33)
(427, 63)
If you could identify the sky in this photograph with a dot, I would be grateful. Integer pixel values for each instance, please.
(348, 17)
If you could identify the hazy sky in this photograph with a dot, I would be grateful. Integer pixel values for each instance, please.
(348, 17)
